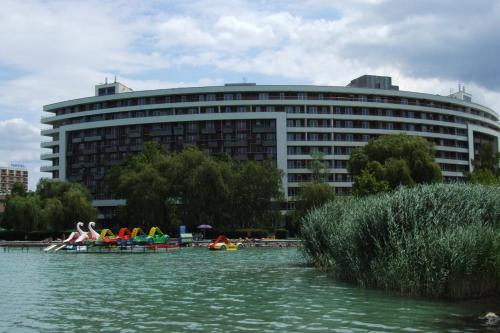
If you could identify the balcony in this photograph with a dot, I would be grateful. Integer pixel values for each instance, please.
(49, 131)
(49, 168)
(208, 131)
(262, 129)
(49, 156)
(93, 138)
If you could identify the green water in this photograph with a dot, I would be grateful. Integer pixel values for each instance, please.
(260, 290)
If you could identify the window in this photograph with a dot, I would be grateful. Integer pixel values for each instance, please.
(241, 124)
(228, 97)
(263, 96)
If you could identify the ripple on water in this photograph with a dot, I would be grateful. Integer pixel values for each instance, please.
(260, 290)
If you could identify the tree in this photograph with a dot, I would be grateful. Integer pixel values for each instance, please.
(483, 176)
(145, 181)
(313, 195)
(486, 167)
(22, 213)
(317, 167)
(367, 183)
(62, 204)
(55, 205)
(391, 161)
(488, 159)
(192, 187)
(18, 189)
(257, 187)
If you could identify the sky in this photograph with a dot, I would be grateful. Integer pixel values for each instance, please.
(52, 51)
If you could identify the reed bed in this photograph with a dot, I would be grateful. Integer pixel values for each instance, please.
(439, 241)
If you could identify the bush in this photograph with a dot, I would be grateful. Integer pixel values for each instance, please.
(12, 235)
(243, 233)
(42, 235)
(433, 240)
(281, 233)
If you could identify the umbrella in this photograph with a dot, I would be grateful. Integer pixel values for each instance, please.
(203, 227)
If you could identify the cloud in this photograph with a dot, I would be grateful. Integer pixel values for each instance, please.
(20, 143)
(58, 50)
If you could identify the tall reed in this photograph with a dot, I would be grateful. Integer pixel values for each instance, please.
(440, 240)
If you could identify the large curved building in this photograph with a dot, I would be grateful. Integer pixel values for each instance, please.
(285, 123)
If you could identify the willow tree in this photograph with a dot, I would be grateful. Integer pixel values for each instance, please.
(163, 188)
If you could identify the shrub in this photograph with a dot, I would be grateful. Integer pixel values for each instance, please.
(433, 240)
(247, 232)
(281, 233)
(12, 235)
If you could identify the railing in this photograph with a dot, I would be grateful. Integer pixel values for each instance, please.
(306, 99)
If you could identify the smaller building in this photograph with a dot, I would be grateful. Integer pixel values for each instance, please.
(9, 175)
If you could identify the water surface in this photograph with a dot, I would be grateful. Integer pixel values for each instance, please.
(259, 290)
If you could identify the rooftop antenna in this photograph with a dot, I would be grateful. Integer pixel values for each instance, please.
(105, 80)
(459, 87)
(463, 88)
(115, 78)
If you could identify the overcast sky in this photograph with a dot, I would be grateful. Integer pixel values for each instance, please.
(56, 50)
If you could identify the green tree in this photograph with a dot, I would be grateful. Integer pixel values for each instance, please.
(18, 189)
(483, 176)
(62, 204)
(145, 181)
(367, 183)
(256, 190)
(486, 167)
(488, 159)
(313, 195)
(317, 167)
(189, 186)
(22, 213)
(391, 161)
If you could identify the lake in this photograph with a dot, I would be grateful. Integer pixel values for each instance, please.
(193, 289)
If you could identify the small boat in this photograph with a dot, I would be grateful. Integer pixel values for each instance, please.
(222, 243)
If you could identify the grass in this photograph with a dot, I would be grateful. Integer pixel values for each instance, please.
(440, 241)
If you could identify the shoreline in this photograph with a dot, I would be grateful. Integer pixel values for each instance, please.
(268, 243)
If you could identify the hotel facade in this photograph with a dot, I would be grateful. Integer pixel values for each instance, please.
(284, 123)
